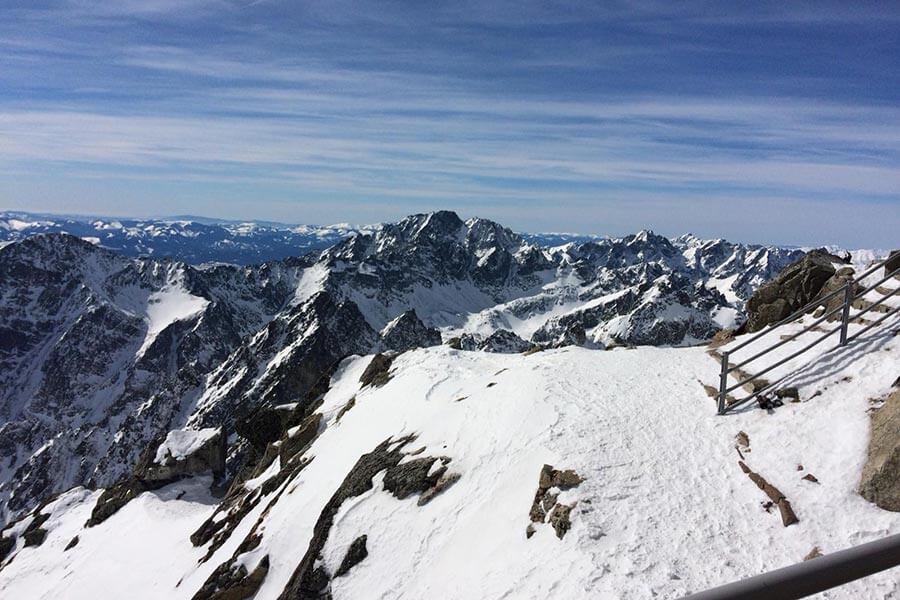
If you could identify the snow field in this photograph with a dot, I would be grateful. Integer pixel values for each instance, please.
(664, 508)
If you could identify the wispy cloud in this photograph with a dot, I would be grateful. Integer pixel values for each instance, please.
(621, 109)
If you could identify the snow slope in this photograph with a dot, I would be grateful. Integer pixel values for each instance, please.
(663, 510)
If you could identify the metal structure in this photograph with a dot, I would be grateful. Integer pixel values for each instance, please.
(851, 293)
(812, 576)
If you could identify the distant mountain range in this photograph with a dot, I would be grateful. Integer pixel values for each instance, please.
(197, 240)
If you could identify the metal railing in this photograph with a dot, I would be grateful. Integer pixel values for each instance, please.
(851, 293)
(812, 576)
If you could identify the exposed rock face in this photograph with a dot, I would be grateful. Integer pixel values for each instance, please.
(355, 555)
(167, 464)
(414, 477)
(797, 285)
(88, 348)
(158, 467)
(261, 427)
(880, 481)
(504, 341)
(377, 373)
(6, 546)
(501, 341)
(407, 332)
(234, 583)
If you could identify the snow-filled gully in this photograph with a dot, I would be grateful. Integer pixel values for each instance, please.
(664, 508)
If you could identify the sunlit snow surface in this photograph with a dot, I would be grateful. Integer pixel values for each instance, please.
(664, 509)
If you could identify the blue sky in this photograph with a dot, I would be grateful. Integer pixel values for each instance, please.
(773, 122)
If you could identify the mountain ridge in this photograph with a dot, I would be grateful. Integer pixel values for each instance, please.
(104, 352)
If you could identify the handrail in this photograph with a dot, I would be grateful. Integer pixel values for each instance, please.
(771, 386)
(784, 360)
(851, 293)
(789, 319)
(786, 340)
(874, 323)
(812, 576)
(875, 285)
(876, 303)
(816, 302)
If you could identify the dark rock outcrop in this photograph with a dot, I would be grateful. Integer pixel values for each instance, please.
(6, 546)
(262, 426)
(794, 287)
(408, 332)
(504, 341)
(880, 481)
(35, 537)
(207, 457)
(355, 555)
(413, 477)
(234, 583)
(377, 373)
(150, 474)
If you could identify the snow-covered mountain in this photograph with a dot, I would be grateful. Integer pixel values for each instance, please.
(102, 353)
(193, 240)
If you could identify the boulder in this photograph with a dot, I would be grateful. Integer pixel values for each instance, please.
(893, 262)
(794, 287)
(840, 279)
(880, 481)
(408, 332)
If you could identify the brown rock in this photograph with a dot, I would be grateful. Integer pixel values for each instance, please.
(880, 481)
(814, 553)
(794, 287)
(721, 338)
(784, 506)
(893, 262)
(560, 520)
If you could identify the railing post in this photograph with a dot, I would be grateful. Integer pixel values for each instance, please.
(723, 383)
(845, 315)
